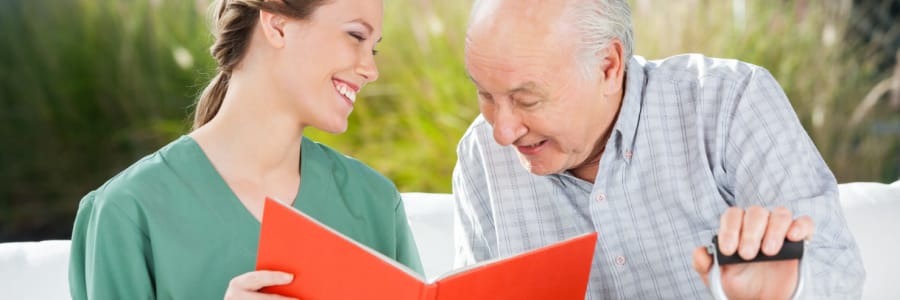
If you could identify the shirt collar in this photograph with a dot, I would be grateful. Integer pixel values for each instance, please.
(629, 114)
(621, 141)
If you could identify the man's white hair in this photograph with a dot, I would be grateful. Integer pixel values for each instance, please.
(598, 22)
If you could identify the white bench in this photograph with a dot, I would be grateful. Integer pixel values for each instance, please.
(38, 270)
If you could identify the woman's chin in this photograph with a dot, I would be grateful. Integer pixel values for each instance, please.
(334, 128)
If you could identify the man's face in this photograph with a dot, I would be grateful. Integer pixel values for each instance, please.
(523, 62)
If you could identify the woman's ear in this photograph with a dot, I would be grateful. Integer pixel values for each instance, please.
(272, 27)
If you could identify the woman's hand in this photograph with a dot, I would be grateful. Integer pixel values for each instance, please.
(247, 285)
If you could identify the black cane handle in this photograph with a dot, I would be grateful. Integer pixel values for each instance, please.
(790, 250)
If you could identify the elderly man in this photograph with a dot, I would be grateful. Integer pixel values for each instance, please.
(577, 135)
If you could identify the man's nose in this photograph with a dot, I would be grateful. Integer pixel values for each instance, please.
(508, 127)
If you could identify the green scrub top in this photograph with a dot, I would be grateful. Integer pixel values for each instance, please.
(169, 227)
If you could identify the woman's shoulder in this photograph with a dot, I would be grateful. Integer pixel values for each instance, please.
(348, 170)
(144, 178)
(121, 203)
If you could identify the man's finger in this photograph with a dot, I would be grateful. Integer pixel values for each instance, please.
(730, 230)
(801, 229)
(755, 220)
(779, 221)
(702, 263)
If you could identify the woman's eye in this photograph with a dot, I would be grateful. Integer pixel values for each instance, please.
(358, 36)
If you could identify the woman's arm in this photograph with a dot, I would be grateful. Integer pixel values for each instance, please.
(110, 255)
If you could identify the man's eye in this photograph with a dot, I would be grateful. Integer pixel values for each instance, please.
(485, 97)
(528, 103)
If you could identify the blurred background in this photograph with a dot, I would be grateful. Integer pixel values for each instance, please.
(87, 87)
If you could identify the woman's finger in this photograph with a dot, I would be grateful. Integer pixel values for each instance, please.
(255, 280)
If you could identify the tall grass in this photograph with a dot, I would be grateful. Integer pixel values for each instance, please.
(87, 87)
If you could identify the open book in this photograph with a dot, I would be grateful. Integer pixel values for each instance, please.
(328, 265)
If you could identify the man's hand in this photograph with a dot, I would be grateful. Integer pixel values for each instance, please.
(747, 233)
(247, 285)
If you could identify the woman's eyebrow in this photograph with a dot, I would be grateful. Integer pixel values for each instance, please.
(367, 26)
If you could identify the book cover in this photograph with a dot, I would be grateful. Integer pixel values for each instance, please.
(328, 265)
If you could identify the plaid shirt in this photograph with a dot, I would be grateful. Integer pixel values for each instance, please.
(694, 136)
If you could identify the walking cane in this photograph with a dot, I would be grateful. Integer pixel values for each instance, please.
(790, 250)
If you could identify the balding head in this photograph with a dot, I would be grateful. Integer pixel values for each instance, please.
(593, 24)
(517, 21)
(524, 30)
(488, 12)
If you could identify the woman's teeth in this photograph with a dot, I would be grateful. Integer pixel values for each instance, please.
(347, 92)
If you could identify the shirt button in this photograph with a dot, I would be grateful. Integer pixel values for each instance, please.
(601, 197)
(628, 154)
(620, 260)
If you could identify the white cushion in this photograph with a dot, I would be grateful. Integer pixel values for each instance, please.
(431, 221)
(34, 270)
(873, 215)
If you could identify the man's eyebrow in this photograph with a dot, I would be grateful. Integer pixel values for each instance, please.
(478, 86)
(528, 88)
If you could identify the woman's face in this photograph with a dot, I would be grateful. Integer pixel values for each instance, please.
(327, 59)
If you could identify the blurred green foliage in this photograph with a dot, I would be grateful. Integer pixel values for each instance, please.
(87, 87)
(825, 71)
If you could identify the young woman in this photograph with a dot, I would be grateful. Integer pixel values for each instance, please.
(183, 222)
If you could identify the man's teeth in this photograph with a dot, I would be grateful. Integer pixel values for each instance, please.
(347, 92)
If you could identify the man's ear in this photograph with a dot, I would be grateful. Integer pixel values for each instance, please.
(272, 27)
(612, 66)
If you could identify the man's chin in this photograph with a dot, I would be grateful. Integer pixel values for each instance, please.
(535, 167)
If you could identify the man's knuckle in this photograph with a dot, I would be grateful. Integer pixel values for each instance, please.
(782, 212)
(757, 210)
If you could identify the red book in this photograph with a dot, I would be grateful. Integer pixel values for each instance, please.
(328, 265)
